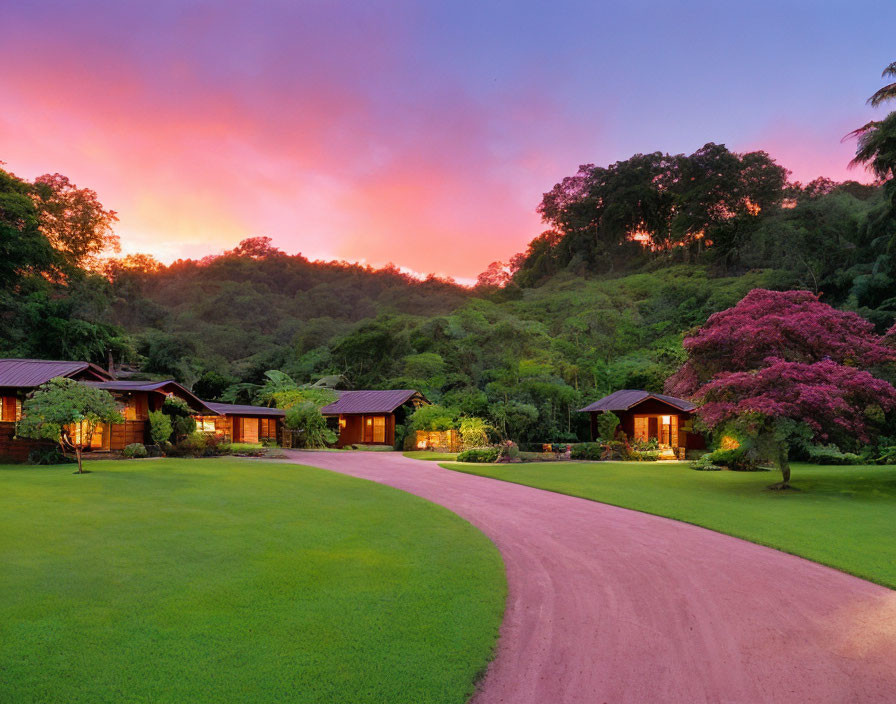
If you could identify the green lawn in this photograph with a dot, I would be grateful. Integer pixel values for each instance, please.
(844, 517)
(228, 580)
(431, 455)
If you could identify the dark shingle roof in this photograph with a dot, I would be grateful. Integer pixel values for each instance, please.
(368, 401)
(230, 409)
(135, 385)
(132, 385)
(28, 373)
(625, 399)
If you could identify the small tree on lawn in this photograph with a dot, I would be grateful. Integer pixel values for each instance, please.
(69, 413)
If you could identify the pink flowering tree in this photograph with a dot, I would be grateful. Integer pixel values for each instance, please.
(793, 326)
(782, 368)
(789, 402)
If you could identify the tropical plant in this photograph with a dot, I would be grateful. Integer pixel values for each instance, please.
(160, 429)
(473, 432)
(319, 396)
(876, 140)
(276, 382)
(68, 412)
(886, 93)
(309, 425)
(479, 455)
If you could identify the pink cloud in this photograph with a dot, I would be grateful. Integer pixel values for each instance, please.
(437, 186)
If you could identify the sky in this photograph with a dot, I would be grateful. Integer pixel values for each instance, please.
(416, 133)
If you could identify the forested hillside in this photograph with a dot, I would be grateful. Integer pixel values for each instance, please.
(635, 254)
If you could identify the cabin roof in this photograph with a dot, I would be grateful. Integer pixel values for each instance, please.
(231, 409)
(132, 385)
(625, 399)
(136, 385)
(27, 373)
(369, 401)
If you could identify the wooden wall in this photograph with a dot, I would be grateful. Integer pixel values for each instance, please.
(123, 434)
(16, 450)
(353, 431)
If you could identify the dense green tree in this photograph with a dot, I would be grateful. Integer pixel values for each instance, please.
(68, 413)
(73, 220)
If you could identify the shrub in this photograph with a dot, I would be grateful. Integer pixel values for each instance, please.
(159, 427)
(193, 445)
(831, 454)
(404, 438)
(646, 455)
(479, 455)
(135, 449)
(48, 455)
(886, 453)
(181, 417)
(508, 451)
(154, 450)
(242, 449)
(704, 463)
(587, 451)
(737, 459)
(183, 426)
(607, 422)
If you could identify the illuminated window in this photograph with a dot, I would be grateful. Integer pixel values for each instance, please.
(10, 409)
(205, 424)
(641, 428)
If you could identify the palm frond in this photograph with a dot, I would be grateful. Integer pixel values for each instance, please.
(889, 70)
(856, 133)
(883, 95)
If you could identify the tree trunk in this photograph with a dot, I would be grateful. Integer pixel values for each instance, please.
(78, 455)
(784, 465)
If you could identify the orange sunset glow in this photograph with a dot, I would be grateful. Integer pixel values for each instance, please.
(199, 133)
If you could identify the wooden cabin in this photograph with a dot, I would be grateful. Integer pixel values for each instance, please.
(239, 423)
(137, 399)
(644, 415)
(369, 417)
(20, 377)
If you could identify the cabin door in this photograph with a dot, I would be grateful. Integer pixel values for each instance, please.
(374, 429)
(250, 430)
(653, 427)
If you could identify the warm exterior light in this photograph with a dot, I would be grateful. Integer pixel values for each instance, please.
(729, 443)
(667, 420)
(422, 444)
(342, 423)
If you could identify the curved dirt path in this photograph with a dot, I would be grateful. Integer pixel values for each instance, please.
(611, 605)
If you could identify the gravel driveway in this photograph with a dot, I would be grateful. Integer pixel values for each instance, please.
(611, 605)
